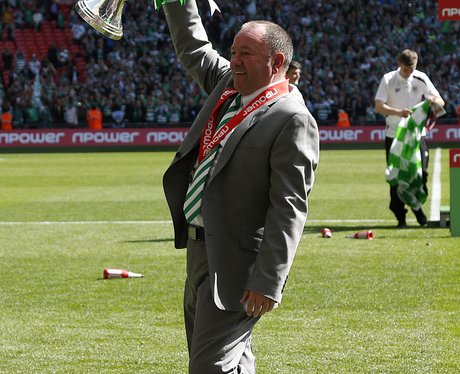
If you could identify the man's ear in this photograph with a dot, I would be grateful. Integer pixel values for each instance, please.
(278, 62)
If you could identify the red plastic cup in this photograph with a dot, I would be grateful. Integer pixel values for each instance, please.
(119, 273)
(366, 234)
(327, 233)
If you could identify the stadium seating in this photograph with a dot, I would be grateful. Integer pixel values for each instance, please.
(342, 60)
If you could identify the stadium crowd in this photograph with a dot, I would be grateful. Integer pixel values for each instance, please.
(344, 48)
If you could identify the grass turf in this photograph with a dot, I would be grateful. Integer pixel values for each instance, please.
(390, 305)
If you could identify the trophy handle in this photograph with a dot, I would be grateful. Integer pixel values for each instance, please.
(103, 15)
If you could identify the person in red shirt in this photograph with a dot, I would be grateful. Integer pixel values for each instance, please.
(7, 121)
(94, 118)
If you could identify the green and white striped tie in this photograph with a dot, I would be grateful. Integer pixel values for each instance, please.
(192, 205)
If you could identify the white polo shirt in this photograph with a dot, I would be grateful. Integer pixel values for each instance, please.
(400, 93)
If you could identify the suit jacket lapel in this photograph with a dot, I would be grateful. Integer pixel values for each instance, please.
(193, 137)
(241, 129)
(235, 138)
(194, 134)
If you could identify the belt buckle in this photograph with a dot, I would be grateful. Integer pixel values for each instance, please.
(192, 233)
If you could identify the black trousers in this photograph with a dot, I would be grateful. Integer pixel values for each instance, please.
(396, 204)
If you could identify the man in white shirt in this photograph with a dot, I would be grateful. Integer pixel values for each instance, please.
(400, 90)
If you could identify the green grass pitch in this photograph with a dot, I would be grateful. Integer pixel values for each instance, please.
(390, 305)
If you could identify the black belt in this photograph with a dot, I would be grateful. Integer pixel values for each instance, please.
(196, 233)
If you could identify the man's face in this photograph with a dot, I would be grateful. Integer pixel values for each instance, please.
(251, 62)
(293, 75)
(406, 70)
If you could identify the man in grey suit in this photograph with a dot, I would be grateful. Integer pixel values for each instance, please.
(238, 186)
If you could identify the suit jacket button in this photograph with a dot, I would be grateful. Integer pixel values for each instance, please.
(178, 154)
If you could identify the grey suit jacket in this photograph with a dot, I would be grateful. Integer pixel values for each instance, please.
(255, 204)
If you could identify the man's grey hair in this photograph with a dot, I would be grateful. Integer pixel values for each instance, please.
(277, 39)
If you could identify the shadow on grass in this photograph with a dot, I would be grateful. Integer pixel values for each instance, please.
(318, 229)
(150, 240)
(338, 228)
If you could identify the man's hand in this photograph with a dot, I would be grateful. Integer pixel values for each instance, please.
(435, 100)
(256, 304)
(406, 112)
(386, 110)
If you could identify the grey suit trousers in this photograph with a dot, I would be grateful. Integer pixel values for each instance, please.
(218, 341)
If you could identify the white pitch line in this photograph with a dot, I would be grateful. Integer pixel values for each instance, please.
(349, 220)
(436, 189)
(170, 222)
(86, 223)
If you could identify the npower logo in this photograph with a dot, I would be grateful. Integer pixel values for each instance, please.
(449, 10)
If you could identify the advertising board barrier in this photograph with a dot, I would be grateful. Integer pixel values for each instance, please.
(158, 137)
(454, 192)
(449, 10)
(91, 138)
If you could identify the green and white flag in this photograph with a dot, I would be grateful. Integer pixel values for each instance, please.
(404, 167)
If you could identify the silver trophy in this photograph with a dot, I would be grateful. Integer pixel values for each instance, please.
(103, 15)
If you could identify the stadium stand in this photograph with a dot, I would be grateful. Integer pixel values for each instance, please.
(54, 65)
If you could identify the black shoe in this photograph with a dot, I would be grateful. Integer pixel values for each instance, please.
(401, 223)
(421, 217)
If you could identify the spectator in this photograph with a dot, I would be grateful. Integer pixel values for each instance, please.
(37, 19)
(53, 10)
(28, 16)
(343, 119)
(34, 65)
(60, 20)
(323, 109)
(7, 59)
(294, 71)
(161, 111)
(175, 111)
(94, 117)
(7, 17)
(150, 110)
(6, 123)
(47, 69)
(18, 115)
(78, 31)
(118, 117)
(52, 55)
(106, 107)
(135, 112)
(45, 117)
(62, 57)
(20, 61)
(31, 114)
(2, 95)
(342, 59)
(70, 113)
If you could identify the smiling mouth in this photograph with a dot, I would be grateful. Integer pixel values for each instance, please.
(238, 73)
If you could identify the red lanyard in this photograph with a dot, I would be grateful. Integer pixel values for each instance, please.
(210, 139)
